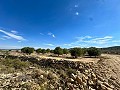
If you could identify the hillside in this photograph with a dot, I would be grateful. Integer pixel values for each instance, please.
(111, 50)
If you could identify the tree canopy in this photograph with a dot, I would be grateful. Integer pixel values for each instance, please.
(58, 51)
(27, 50)
(93, 51)
(76, 52)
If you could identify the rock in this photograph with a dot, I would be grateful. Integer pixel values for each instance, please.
(90, 82)
(73, 76)
(71, 80)
(113, 78)
(41, 76)
(100, 78)
(51, 86)
(93, 75)
(79, 80)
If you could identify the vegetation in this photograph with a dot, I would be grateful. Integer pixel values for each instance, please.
(65, 51)
(92, 51)
(43, 51)
(27, 50)
(76, 52)
(111, 50)
(38, 50)
(58, 51)
(48, 50)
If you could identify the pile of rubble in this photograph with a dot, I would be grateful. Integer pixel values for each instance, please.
(60, 75)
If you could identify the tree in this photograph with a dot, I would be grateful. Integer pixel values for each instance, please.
(39, 50)
(92, 51)
(27, 50)
(43, 51)
(51, 51)
(58, 51)
(76, 52)
(48, 50)
(65, 51)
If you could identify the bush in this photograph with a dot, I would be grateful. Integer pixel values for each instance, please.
(39, 50)
(43, 51)
(92, 51)
(65, 51)
(76, 52)
(51, 51)
(48, 50)
(15, 63)
(58, 51)
(27, 50)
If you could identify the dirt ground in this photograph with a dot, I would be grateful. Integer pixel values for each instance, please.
(113, 62)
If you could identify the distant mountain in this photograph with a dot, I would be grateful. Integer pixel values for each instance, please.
(111, 50)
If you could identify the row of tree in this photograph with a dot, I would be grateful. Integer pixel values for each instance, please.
(75, 52)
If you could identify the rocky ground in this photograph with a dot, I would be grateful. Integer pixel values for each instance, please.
(51, 74)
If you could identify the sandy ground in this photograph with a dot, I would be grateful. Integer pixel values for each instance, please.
(113, 63)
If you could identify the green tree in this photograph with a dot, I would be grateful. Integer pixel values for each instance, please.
(39, 50)
(48, 50)
(58, 51)
(51, 51)
(43, 51)
(27, 50)
(76, 52)
(65, 51)
(93, 51)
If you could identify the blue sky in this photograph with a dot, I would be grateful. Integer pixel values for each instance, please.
(65, 23)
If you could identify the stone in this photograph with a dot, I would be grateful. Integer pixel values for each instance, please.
(79, 80)
(73, 76)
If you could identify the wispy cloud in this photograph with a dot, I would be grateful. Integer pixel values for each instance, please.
(88, 41)
(41, 34)
(14, 32)
(6, 37)
(51, 34)
(2, 39)
(12, 35)
(9, 47)
(76, 6)
(49, 44)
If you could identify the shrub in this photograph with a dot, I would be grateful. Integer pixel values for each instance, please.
(43, 51)
(51, 51)
(76, 52)
(39, 50)
(48, 50)
(58, 51)
(65, 51)
(27, 50)
(92, 51)
(15, 63)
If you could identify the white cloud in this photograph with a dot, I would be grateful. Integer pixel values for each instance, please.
(12, 35)
(19, 41)
(102, 40)
(9, 47)
(76, 6)
(41, 34)
(89, 41)
(51, 34)
(14, 32)
(77, 13)
(7, 37)
(49, 44)
(2, 39)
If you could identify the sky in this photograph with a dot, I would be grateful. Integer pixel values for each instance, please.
(64, 23)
